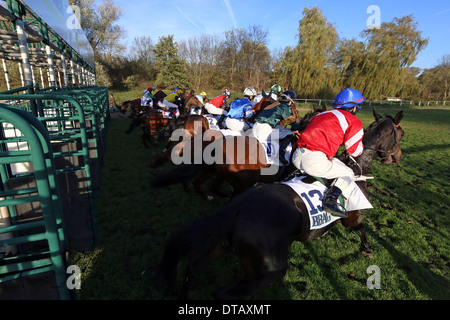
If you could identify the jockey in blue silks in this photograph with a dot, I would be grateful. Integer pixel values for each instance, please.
(241, 109)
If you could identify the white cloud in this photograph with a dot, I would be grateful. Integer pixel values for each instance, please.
(187, 18)
(230, 12)
(442, 12)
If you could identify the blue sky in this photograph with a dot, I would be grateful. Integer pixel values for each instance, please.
(188, 18)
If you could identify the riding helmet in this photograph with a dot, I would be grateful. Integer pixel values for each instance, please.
(226, 93)
(288, 95)
(348, 98)
(250, 91)
(276, 88)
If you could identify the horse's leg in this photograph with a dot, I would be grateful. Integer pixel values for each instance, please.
(194, 269)
(215, 187)
(262, 264)
(186, 187)
(365, 248)
(144, 139)
(354, 222)
(197, 183)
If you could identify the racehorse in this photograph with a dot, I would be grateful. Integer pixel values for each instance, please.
(261, 224)
(242, 166)
(136, 106)
(149, 119)
(197, 174)
(192, 101)
(197, 124)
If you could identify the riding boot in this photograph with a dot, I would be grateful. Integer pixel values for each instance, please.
(284, 143)
(330, 202)
(220, 121)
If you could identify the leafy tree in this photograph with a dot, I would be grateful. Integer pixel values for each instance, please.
(307, 67)
(200, 54)
(244, 58)
(390, 49)
(436, 81)
(142, 58)
(99, 24)
(379, 66)
(171, 70)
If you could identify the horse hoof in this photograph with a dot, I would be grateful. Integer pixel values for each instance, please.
(367, 254)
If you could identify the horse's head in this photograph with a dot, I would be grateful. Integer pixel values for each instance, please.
(390, 135)
(268, 96)
(308, 117)
(192, 101)
(160, 95)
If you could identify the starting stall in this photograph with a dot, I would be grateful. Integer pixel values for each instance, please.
(52, 141)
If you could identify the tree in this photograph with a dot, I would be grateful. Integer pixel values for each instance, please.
(436, 81)
(389, 50)
(171, 70)
(200, 55)
(99, 24)
(143, 58)
(307, 68)
(245, 59)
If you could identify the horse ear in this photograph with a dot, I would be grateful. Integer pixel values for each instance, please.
(398, 117)
(324, 108)
(376, 115)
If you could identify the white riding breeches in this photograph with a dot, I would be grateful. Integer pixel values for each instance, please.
(212, 109)
(316, 163)
(236, 124)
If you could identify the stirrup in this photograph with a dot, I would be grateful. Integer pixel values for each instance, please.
(335, 210)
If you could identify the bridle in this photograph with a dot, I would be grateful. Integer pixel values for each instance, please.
(393, 136)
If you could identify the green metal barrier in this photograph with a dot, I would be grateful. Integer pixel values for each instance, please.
(37, 234)
(64, 118)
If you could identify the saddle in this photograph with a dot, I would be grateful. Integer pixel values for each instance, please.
(312, 189)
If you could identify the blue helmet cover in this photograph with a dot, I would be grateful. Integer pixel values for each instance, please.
(348, 98)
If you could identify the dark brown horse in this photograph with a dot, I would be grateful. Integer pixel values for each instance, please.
(261, 224)
(135, 104)
(191, 101)
(198, 173)
(196, 124)
(238, 160)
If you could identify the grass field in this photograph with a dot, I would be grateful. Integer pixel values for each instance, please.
(408, 229)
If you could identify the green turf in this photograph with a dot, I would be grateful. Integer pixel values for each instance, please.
(408, 229)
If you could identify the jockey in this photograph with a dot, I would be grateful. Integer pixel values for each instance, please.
(168, 109)
(241, 109)
(214, 105)
(147, 98)
(172, 97)
(320, 141)
(205, 98)
(276, 118)
(202, 97)
(276, 89)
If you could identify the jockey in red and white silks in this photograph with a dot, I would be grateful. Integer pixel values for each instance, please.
(214, 105)
(322, 138)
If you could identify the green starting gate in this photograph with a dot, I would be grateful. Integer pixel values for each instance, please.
(52, 145)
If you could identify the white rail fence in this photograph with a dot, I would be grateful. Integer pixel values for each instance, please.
(382, 102)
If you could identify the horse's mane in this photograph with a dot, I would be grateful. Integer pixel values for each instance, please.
(308, 117)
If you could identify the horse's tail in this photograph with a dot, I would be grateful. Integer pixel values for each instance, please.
(196, 242)
(179, 174)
